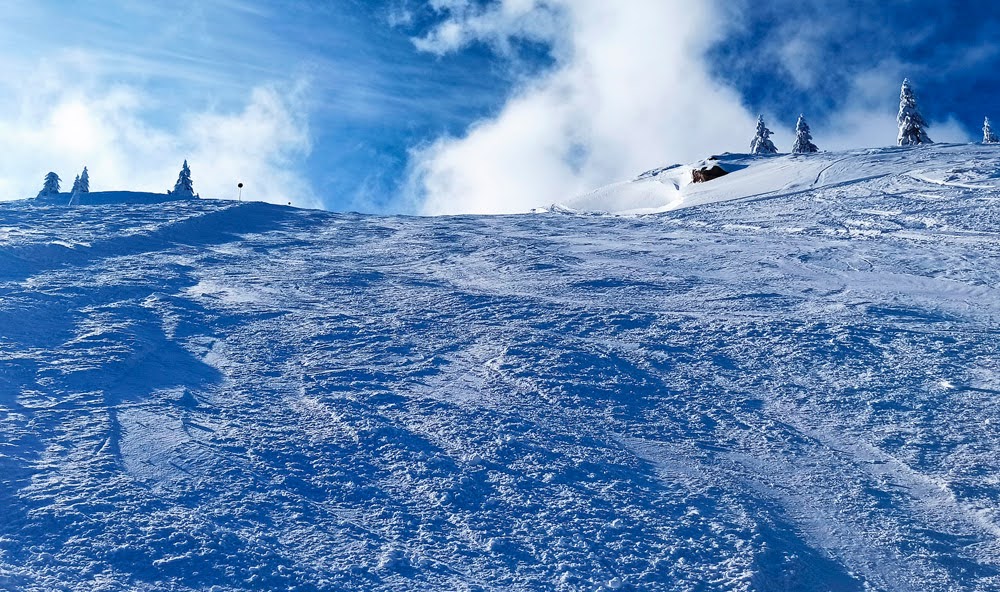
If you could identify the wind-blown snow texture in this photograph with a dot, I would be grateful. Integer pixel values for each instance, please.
(796, 391)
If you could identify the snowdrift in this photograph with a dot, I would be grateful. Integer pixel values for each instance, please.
(762, 176)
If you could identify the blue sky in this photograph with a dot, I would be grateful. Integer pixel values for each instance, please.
(950, 49)
(406, 106)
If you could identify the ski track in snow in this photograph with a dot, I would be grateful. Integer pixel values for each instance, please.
(796, 391)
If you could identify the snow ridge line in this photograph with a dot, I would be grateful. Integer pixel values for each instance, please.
(194, 230)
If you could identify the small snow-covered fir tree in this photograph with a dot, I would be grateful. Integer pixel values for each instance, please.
(761, 143)
(803, 138)
(84, 181)
(912, 127)
(184, 187)
(80, 185)
(51, 186)
(989, 137)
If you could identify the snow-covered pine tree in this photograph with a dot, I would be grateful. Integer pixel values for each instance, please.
(803, 138)
(184, 187)
(51, 186)
(761, 143)
(912, 127)
(989, 137)
(80, 185)
(84, 181)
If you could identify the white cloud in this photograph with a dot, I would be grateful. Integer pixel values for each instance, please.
(868, 119)
(257, 147)
(68, 116)
(535, 20)
(866, 128)
(630, 90)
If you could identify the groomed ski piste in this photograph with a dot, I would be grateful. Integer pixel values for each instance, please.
(786, 380)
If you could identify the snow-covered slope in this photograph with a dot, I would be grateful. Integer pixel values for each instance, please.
(792, 392)
(766, 175)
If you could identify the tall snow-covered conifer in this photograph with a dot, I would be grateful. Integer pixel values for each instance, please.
(184, 186)
(84, 181)
(51, 186)
(912, 127)
(761, 143)
(803, 138)
(80, 185)
(989, 137)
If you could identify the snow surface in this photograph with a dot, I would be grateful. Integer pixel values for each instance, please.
(795, 391)
(110, 197)
(762, 176)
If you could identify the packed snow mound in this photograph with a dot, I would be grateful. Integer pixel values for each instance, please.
(797, 392)
(761, 176)
(110, 197)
